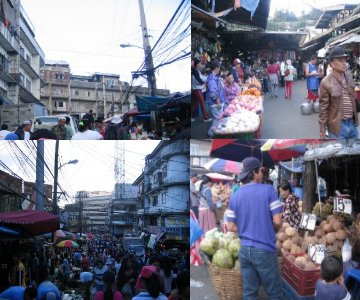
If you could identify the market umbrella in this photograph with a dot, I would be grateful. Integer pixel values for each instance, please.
(223, 165)
(218, 177)
(90, 235)
(238, 150)
(67, 244)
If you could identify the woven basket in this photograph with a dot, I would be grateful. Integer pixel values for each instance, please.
(227, 282)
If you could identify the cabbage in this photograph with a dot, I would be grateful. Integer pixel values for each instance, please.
(224, 242)
(209, 245)
(211, 232)
(234, 247)
(222, 259)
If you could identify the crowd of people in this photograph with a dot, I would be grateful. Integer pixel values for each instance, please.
(99, 269)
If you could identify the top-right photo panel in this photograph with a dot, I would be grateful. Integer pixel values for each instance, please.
(275, 69)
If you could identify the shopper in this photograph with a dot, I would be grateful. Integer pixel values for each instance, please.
(126, 278)
(45, 289)
(291, 212)
(331, 286)
(4, 131)
(215, 95)
(99, 272)
(150, 282)
(255, 213)
(19, 293)
(282, 73)
(337, 100)
(24, 131)
(109, 293)
(60, 130)
(273, 73)
(312, 83)
(289, 78)
(238, 72)
(194, 194)
(182, 291)
(197, 96)
(207, 217)
(166, 273)
(85, 133)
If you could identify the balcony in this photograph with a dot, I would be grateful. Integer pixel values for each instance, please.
(55, 94)
(26, 65)
(8, 41)
(5, 75)
(29, 41)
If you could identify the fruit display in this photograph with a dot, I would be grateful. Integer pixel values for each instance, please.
(221, 192)
(326, 209)
(288, 241)
(303, 262)
(247, 102)
(241, 121)
(252, 91)
(222, 248)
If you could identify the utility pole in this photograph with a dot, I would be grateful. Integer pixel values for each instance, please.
(39, 205)
(150, 74)
(56, 170)
(81, 211)
(104, 96)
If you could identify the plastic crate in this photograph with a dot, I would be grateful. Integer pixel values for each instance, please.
(290, 294)
(303, 282)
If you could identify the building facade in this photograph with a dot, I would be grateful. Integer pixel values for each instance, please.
(21, 57)
(163, 191)
(199, 155)
(64, 93)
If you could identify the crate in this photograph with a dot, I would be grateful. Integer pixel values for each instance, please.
(290, 294)
(303, 282)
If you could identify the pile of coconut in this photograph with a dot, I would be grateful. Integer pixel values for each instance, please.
(221, 191)
(289, 241)
(303, 262)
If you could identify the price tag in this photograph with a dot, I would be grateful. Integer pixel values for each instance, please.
(316, 253)
(308, 221)
(343, 205)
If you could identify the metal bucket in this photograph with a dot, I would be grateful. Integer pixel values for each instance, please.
(316, 107)
(306, 108)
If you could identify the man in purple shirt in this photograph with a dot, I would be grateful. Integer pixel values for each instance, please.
(255, 213)
(215, 94)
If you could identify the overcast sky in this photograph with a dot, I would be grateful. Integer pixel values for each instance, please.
(87, 34)
(297, 6)
(93, 172)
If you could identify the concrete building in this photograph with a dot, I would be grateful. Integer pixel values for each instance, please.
(199, 155)
(68, 93)
(123, 211)
(21, 57)
(163, 191)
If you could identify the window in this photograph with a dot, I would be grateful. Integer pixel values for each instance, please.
(163, 198)
(60, 104)
(22, 79)
(156, 200)
(28, 84)
(164, 171)
(76, 93)
(88, 94)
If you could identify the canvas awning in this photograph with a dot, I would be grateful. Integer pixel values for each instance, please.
(31, 222)
(353, 39)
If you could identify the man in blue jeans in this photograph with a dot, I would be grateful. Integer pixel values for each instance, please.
(338, 111)
(215, 95)
(255, 213)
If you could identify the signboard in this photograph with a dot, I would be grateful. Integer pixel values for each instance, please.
(175, 222)
(316, 253)
(152, 241)
(343, 205)
(308, 221)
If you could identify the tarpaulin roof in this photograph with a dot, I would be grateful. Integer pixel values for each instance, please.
(148, 103)
(31, 222)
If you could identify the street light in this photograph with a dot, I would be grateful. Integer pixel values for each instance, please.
(74, 162)
(130, 45)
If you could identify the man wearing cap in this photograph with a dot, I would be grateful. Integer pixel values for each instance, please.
(215, 94)
(194, 194)
(23, 132)
(337, 100)
(255, 213)
(59, 130)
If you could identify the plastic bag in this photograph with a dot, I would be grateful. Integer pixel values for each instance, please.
(346, 251)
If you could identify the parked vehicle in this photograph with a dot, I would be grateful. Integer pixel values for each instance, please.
(47, 122)
(134, 244)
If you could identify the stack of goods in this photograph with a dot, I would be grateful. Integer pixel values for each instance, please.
(288, 241)
(322, 210)
(222, 248)
(221, 196)
(247, 102)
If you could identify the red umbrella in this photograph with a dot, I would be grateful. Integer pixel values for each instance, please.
(223, 165)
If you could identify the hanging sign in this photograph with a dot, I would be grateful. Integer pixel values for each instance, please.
(343, 205)
(316, 253)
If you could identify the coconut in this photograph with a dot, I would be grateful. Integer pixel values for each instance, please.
(290, 231)
(284, 252)
(337, 225)
(328, 228)
(323, 223)
(278, 245)
(209, 245)
(296, 240)
(234, 247)
(282, 236)
(319, 233)
(222, 259)
(300, 262)
(309, 266)
(285, 224)
(291, 258)
(287, 244)
(330, 238)
(341, 235)
(330, 217)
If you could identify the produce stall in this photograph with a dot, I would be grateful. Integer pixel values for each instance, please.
(242, 117)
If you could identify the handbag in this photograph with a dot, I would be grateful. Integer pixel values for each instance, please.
(127, 290)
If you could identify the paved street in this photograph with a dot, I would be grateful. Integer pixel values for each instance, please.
(282, 118)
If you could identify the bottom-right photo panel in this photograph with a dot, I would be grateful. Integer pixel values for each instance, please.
(275, 219)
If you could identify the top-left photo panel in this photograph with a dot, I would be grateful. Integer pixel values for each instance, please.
(95, 70)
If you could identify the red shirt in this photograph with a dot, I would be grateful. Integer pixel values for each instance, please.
(273, 69)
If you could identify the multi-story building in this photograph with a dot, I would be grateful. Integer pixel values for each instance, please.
(163, 197)
(123, 211)
(64, 92)
(20, 56)
(199, 155)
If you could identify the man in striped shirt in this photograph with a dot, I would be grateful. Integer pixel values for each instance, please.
(337, 100)
(255, 212)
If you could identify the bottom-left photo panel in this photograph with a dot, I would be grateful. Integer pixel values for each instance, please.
(94, 220)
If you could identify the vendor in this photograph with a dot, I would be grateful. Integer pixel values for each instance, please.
(207, 218)
(291, 212)
(232, 89)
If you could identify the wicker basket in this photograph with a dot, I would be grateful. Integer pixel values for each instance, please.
(227, 282)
